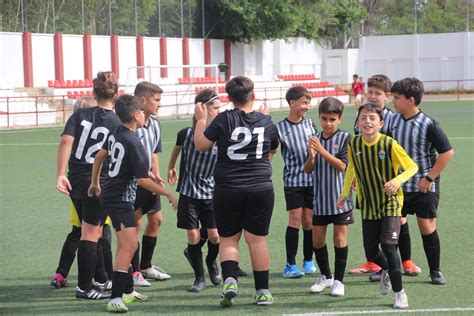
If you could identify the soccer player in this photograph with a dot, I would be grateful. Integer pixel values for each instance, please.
(243, 196)
(427, 144)
(358, 89)
(196, 187)
(128, 166)
(378, 92)
(327, 161)
(147, 202)
(374, 161)
(83, 135)
(294, 132)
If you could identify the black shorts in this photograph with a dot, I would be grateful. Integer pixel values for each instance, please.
(192, 211)
(423, 205)
(147, 201)
(120, 213)
(299, 197)
(381, 231)
(345, 218)
(89, 210)
(251, 211)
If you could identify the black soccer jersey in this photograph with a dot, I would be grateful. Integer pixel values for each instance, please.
(422, 138)
(244, 141)
(90, 128)
(294, 149)
(128, 162)
(150, 136)
(196, 168)
(387, 117)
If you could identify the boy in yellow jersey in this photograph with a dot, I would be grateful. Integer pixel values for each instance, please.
(374, 161)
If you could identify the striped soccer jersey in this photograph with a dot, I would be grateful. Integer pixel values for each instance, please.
(196, 168)
(327, 180)
(150, 136)
(387, 117)
(422, 138)
(294, 149)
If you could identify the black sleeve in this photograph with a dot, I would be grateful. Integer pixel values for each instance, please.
(138, 160)
(275, 140)
(70, 128)
(438, 138)
(343, 153)
(181, 137)
(314, 126)
(214, 129)
(158, 148)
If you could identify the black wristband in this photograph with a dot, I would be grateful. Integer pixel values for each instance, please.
(428, 178)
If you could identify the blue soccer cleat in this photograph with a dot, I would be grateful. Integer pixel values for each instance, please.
(291, 271)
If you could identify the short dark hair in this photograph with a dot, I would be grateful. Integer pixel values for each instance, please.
(371, 107)
(126, 105)
(355, 76)
(409, 87)
(239, 89)
(147, 89)
(331, 105)
(205, 96)
(294, 93)
(105, 85)
(381, 82)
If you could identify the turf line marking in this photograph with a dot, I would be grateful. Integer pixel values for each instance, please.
(390, 311)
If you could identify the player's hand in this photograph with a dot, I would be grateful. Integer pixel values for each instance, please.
(151, 176)
(159, 180)
(391, 187)
(63, 185)
(341, 202)
(94, 190)
(314, 144)
(424, 185)
(172, 176)
(173, 201)
(354, 185)
(200, 111)
(264, 109)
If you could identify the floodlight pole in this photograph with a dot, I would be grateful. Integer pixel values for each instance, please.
(467, 15)
(54, 20)
(415, 16)
(203, 22)
(159, 17)
(136, 19)
(182, 23)
(82, 10)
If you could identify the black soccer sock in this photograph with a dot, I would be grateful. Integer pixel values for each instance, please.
(129, 283)
(136, 259)
(432, 248)
(308, 244)
(323, 261)
(204, 236)
(68, 252)
(195, 253)
(404, 242)
(394, 267)
(119, 281)
(148, 247)
(107, 249)
(374, 254)
(291, 240)
(212, 251)
(86, 261)
(229, 269)
(261, 279)
(340, 262)
(100, 275)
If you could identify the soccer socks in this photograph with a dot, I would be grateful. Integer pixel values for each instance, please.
(129, 281)
(107, 249)
(291, 240)
(308, 244)
(204, 235)
(394, 266)
(432, 248)
(229, 269)
(212, 251)
(119, 282)
(148, 247)
(136, 259)
(86, 261)
(261, 280)
(68, 252)
(404, 242)
(323, 261)
(195, 253)
(100, 275)
(340, 262)
(374, 254)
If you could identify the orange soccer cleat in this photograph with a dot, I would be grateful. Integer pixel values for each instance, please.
(368, 267)
(410, 268)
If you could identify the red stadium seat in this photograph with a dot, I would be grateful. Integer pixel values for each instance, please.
(75, 84)
(51, 83)
(88, 83)
(81, 83)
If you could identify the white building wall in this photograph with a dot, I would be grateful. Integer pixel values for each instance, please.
(73, 57)
(151, 54)
(11, 60)
(42, 46)
(101, 56)
(175, 57)
(196, 57)
(127, 55)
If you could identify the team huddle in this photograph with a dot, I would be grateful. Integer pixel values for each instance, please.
(111, 148)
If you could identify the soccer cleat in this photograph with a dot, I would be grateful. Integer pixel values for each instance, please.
(229, 293)
(400, 300)
(321, 283)
(241, 273)
(188, 257)
(385, 284)
(133, 297)
(368, 267)
(263, 298)
(139, 280)
(198, 286)
(91, 294)
(337, 288)
(309, 267)
(376, 276)
(291, 271)
(410, 268)
(437, 277)
(59, 281)
(213, 270)
(155, 273)
(104, 287)
(116, 305)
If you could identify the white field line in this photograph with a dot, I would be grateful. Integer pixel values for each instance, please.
(391, 311)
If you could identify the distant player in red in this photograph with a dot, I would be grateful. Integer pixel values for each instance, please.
(358, 88)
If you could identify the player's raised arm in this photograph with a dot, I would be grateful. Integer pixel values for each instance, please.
(94, 188)
(201, 143)
(64, 151)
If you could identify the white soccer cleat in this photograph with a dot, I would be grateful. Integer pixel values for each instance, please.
(139, 280)
(400, 300)
(320, 284)
(133, 297)
(155, 273)
(385, 284)
(337, 288)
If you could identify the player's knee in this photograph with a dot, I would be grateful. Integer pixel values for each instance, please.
(393, 259)
(340, 241)
(213, 237)
(318, 241)
(193, 236)
(371, 252)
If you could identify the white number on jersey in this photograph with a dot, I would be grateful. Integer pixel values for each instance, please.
(94, 135)
(116, 153)
(260, 131)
